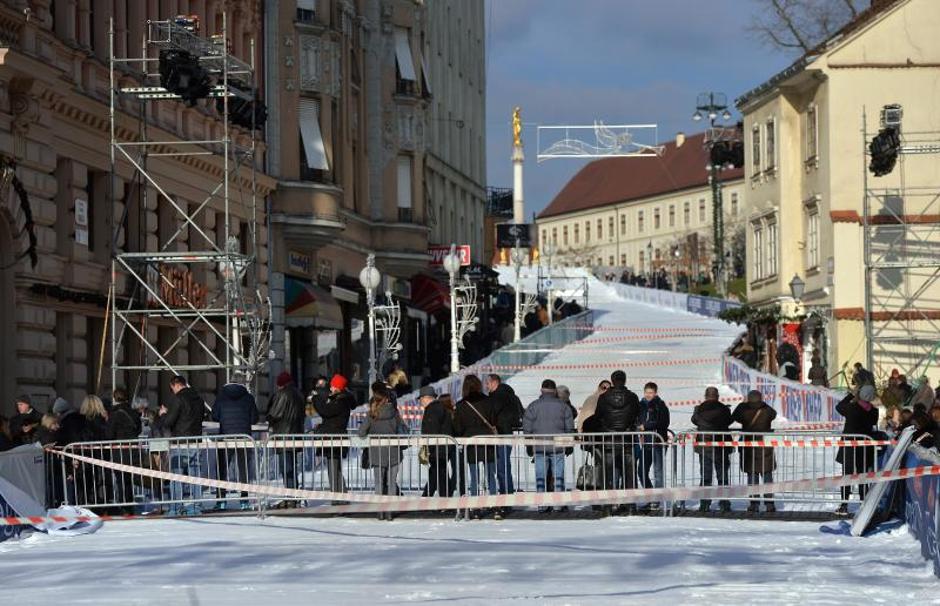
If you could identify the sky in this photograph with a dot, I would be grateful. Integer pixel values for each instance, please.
(620, 61)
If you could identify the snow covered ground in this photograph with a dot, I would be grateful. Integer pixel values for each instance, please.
(287, 561)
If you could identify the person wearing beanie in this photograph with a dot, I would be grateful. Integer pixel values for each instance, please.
(286, 416)
(335, 414)
(618, 410)
(861, 418)
(548, 415)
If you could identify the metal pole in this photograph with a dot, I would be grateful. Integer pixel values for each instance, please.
(517, 328)
(370, 301)
(454, 347)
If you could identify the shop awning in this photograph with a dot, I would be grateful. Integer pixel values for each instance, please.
(428, 294)
(307, 304)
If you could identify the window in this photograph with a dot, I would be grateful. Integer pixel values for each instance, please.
(306, 10)
(770, 140)
(611, 261)
(812, 133)
(772, 249)
(623, 259)
(642, 260)
(407, 75)
(701, 210)
(555, 236)
(544, 237)
(639, 221)
(564, 235)
(812, 237)
(405, 202)
(623, 225)
(577, 239)
(600, 229)
(686, 212)
(656, 218)
(610, 228)
(758, 251)
(672, 215)
(587, 231)
(755, 150)
(313, 160)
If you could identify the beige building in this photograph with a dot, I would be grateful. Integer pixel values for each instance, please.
(806, 187)
(635, 213)
(455, 174)
(54, 124)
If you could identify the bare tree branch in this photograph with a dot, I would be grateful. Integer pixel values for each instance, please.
(801, 25)
(786, 20)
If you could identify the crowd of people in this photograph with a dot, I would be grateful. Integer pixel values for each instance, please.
(625, 435)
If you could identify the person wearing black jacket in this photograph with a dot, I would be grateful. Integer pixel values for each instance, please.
(617, 411)
(712, 420)
(124, 424)
(335, 414)
(285, 417)
(758, 463)
(183, 415)
(654, 417)
(235, 411)
(436, 421)
(474, 417)
(861, 417)
(508, 410)
(25, 422)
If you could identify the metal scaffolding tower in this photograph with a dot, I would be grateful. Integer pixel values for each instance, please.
(901, 227)
(227, 330)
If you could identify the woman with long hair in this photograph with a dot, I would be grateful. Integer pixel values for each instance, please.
(94, 483)
(383, 420)
(475, 417)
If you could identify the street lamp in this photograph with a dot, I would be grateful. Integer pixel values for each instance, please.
(452, 267)
(518, 257)
(370, 277)
(797, 287)
(675, 273)
(714, 104)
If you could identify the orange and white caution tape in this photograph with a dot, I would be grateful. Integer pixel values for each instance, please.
(791, 443)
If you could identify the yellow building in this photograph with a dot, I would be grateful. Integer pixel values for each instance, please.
(635, 213)
(806, 190)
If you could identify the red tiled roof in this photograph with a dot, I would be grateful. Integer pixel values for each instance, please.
(616, 180)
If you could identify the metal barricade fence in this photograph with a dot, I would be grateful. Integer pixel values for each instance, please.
(98, 487)
(409, 465)
(740, 458)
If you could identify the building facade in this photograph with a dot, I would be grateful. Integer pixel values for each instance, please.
(455, 174)
(376, 102)
(636, 214)
(807, 187)
(54, 90)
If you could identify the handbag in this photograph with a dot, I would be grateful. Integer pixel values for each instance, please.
(587, 478)
(424, 457)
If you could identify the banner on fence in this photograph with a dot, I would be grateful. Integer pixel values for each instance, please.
(922, 506)
(709, 306)
(795, 401)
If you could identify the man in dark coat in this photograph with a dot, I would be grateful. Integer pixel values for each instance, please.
(755, 417)
(235, 411)
(617, 411)
(861, 417)
(709, 417)
(25, 423)
(335, 414)
(507, 407)
(183, 415)
(286, 416)
(436, 421)
(654, 417)
(124, 424)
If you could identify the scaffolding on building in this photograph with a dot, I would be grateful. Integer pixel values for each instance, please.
(901, 227)
(224, 328)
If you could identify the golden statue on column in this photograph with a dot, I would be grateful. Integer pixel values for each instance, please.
(516, 127)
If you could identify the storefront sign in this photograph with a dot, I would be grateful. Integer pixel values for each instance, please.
(439, 252)
(299, 262)
(177, 288)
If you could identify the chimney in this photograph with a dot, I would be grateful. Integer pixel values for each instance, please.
(680, 139)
